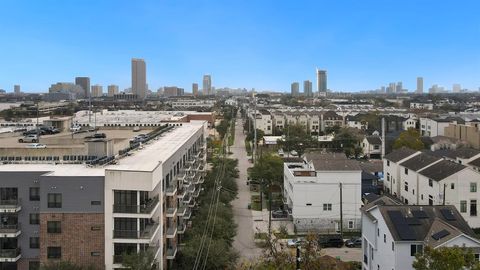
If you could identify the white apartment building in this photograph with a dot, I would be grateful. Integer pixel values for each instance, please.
(263, 121)
(421, 106)
(392, 234)
(410, 122)
(312, 188)
(372, 146)
(436, 127)
(391, 169)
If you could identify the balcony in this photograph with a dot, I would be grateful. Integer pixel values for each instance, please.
(191, 189)
(196, 193)
(147, 233)
(171, 232)
(181, 175)
(181, 193)
(191, 161)
(181, 211)
(201, 180)
(146, 208)
(10, 206)
(192, 203)
(171, 190)
(181, 229)
(187, 199)
(171, 212)
(10, 230)
(188, 214)
(171, 253)
(10, 255)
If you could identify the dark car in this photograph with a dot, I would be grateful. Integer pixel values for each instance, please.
(331, 241)
(354, 242)
(279, 214)
(97, 136)
(31, 132)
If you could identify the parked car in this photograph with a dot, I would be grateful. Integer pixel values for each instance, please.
(36, 145)
(139, 138)
(31, 132)
(31, 138)
(279, 213)
(354, 242)
(97, 136)
(75, 128)
(331, 241)
(294, 242)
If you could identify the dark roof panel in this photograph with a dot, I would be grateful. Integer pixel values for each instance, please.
(400, 154)
(419, 161)
(442, 170)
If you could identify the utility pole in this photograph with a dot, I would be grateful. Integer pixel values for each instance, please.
(269, 209)
(254, 158)
(298, 257)
(444, 189)
(341, 211)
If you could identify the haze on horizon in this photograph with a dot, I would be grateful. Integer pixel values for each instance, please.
(264, 45)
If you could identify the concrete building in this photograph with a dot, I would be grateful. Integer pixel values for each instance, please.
(207, 85)
(456, 88)
(372, 146)
(312, 188)
(419, 89)
(84, 82)
(295, 89)
(88, 210)
(67, 88)
(321, 82)
(421, 106)
(392, 234)
(139, 78)
(173, 91)
(195, 89)
(436, 127)
(468, 132)
(307, 88)
(263, 121)
(112, 90)
(97, 90)
(16, 89)
(192, 103)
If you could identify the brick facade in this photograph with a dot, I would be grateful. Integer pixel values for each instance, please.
(77, 239)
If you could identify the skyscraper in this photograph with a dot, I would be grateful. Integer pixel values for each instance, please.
(295, 89)
(84, 82)
(399, 87)
(112, 90)
(139, 78)
(419, 85)
(16, 89)
(307, 88)
(207, 85)
(97, 90)
(456, 88)
(322, 82)
(195, 89)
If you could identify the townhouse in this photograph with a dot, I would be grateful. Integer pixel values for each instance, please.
(392, 234)
(436, 126)
(372, 146)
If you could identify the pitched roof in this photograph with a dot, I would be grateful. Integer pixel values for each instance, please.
(457, 153)
(327, 161)
(372, 166)
(419, 161)
(416, 223)
(400, 154)
(475, 162)
(374, 139)
(442, 170)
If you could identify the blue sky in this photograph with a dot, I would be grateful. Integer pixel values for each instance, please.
(265, 44)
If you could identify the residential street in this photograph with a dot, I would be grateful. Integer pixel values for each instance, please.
(244, 240)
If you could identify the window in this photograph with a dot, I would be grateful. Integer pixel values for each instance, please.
(452, 186)
(421, 196)
(384, 238)
(463, 206)
(388, 162)
(473, 187)
(34, 219)
(473, 208)
(405, 201)
(414, 249)
(95, 228)
(378, 232)
(308, 204)
(34, 242)
(95, 253)
(327, 207)
(54, 227)
(34, 194)
(413, 191)
(406, 186)
(54, 252)
(430, 182)
(54, 200)
(393, 246)
(430, 200)
(33, 265)
(388, 176)
(351, 224)
(96, 203)
(406, 171)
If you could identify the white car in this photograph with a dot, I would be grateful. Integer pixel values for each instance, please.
(36, 145)
(75, 128)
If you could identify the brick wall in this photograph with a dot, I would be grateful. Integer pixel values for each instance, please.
(77, 239)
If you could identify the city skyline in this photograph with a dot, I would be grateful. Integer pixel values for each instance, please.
(358, 53)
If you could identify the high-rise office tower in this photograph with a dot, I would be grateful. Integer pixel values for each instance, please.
(295, 89)
(207, 85)
(391, 88)
(84, 82)
(112, 90)
(16, 89)
(195, 89)
(322, 82)
(456, 88)
(307, 88)
(419, 85)
(399, 87)
(139, 78)
(97, 90)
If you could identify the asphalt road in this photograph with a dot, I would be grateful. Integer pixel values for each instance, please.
(244, 240)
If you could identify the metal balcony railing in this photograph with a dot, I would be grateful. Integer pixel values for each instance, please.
(147, 233)
(145, 208)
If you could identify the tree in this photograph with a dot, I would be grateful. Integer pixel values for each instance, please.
(222, 128)
(269, 168)
(66, 265)
(142, 260)
(260, 134)
(348, 139)
(446, 258)
(296, 138)
(409, 138)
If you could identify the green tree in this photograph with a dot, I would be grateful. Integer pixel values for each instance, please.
(296, 138)
(143, 260)
(446, 258)
(222, 128)
(348, 139)
(268, 167)
(409, 138)
(251, 135)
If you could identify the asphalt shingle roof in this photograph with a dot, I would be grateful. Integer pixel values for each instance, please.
(400, 154)
(419, 161)
(442, 170)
